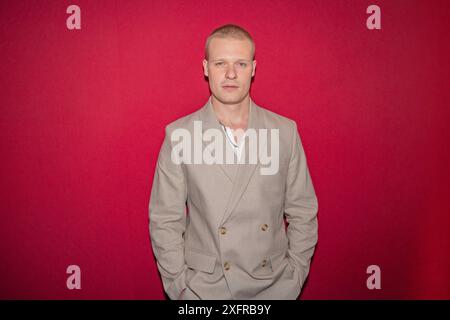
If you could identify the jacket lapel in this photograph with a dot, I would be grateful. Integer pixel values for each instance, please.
(245, 170)
(209, 120)
(239, 173)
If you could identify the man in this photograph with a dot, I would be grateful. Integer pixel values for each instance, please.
(232, 243)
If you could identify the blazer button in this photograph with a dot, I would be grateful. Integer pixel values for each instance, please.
(223, 230)
(264, 227)
(264, 263)
(226, 266)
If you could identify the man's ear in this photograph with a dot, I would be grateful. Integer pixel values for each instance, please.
(254, 67)
(205, 67)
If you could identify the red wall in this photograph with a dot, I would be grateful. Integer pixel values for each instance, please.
(83, 115)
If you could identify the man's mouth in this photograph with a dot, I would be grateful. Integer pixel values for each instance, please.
(230, 87)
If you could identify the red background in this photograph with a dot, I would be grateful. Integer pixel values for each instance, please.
(83, 115)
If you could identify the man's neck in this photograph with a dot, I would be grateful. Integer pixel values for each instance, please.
(234, 116)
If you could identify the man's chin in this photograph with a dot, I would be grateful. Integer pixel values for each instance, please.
(230, 98)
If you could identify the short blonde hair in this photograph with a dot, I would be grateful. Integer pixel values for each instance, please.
(230, 31)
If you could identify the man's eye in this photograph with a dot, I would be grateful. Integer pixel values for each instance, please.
(219, 64)
(243, 64)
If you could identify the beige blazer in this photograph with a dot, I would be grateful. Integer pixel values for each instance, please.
(232, 242)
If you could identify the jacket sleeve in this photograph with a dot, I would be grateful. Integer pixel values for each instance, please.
(300, 209)
(167, 216)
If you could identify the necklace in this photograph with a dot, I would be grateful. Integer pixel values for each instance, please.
(228, 137)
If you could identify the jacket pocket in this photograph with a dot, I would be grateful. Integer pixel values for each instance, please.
(199, 260)
(277, 259)
(268, 266)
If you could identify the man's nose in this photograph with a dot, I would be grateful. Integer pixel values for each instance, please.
(231, 73)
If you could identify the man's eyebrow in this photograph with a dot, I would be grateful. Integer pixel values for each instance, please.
(222, 59)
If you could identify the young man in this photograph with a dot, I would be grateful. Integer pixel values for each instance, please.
(232, 243)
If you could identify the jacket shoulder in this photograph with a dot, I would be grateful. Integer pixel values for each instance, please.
(184, 122)
(276, 120)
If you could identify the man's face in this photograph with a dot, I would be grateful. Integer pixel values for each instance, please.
(229, 68)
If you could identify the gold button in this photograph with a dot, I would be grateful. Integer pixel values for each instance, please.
(264, 263)
(264, 227)
(222, 230)
(226, 266)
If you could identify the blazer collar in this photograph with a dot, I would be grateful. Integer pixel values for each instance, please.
(209, 118)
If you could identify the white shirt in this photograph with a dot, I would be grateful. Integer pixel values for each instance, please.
(237, 147)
